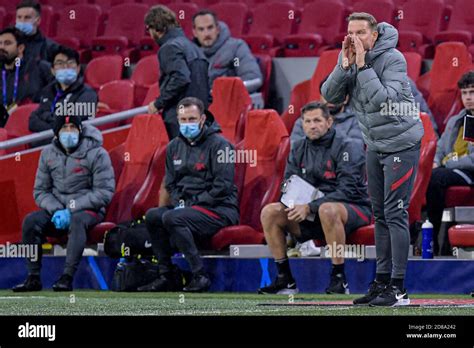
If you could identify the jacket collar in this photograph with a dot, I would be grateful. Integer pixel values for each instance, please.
(325, 140)
(170, 34)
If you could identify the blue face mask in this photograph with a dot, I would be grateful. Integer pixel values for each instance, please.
(66, 76)
(26, 28)
(69, 140)
(189, 130)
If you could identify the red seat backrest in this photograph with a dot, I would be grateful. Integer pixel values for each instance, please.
(265, 134)
(147, 134)
(47, 20)
(461, 17)
(17, 124)
(231, 104)
(127, 20)
(147, 71)
(184, 13)
(424, 16)
(79, 21)
(414, 61)
(323, 17)
(118, 95)
(152, 94)
(382, 10)
(425, 165)
(235, 15)
(103, 69)
(326, 64)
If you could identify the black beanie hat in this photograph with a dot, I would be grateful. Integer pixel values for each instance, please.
(62, 120)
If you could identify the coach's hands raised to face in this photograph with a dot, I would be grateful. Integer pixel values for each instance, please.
(359, 52)
(348, 53)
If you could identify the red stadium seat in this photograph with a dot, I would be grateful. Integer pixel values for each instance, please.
(418, 26)
(459, 196)
(365, 235)
(105, 5)
(146, 73)
(17, 124)
(461, 25)
(84, 25)
(326, 64)
(152, 94)
(123, 32)
(161, 2)
(115, 96)
(3, 17)
(382, 10)
(230, 106)
(47, 20)
(262, 182)
(298, 98)
(59, 4)
(414, 61)
(3, 137)
(461, 236)
(235, 15)
(146, 47)
(104, 69)
(184, 13)
(265, 63)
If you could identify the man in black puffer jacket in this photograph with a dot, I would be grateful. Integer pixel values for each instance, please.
(203, 197)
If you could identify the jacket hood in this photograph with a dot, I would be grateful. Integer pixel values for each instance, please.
(170, 34)
(387, 39)
(343, 116)
(91, 138)
(224, 35)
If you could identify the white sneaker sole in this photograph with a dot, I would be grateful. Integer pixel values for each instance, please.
(288, 292)
(402, 302)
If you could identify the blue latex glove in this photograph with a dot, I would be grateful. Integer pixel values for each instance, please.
(62, 219)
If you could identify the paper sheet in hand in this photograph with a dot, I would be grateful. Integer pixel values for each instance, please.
(469, 128)
(298, 191)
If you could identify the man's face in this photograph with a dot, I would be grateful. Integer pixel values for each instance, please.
(154, 34)
(361, 29)
(9, 48)
(28, 14)
(191, 114)
(61, 61)
(315, 125)
(467, 96)
(205, 30)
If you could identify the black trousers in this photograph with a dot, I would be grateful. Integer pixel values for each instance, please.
(183, 229)
(441, 179)
(38, 225)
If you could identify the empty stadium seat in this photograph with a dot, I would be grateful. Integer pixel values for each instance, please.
(84, 24)
(382, 10)
(265, 64)
(115, 96)
(60, 4)
(125, 28)
(17, 124)
(461, 236)
(235, 15)
(184, 13)
(106, 5)
(3, 137)
(230, 106)
(146, 73)
(365, 235)
(47, 25)
(146, 47)
(104, 69)
(418, 26)
(152, 94)
(459, 196)
(262, 182)
(414, 61)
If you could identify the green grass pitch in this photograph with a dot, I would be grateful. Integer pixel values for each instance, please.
(88, 302)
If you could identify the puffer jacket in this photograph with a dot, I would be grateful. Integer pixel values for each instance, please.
(82, 180)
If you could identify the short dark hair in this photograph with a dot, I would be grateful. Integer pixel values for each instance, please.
(161, 18)
(205, 12)
(364, 16)
(19, 36)
(190, 101)
(68, 52)
(314, 105)
(466, 80)
(30, 3)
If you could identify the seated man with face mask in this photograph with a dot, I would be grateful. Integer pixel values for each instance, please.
(202, 193)
(68, 94)
(74, 184)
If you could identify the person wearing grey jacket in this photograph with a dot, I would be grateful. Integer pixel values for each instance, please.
(74, 184)
(227, 56)
(374, 74)
(453, 163)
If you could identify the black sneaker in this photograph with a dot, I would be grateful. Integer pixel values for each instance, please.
(338, 285)
(375, 289)
(64, 283)
(199, 283)
(391, 297)
(32, 283)
(281, 286)
(166, 282)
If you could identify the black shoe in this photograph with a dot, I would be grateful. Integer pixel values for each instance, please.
(338, 285)
(375, 289)
(64, 283)
(32, 283)
(280, 286)
(166, 282)
(199, 283)
(391, 297)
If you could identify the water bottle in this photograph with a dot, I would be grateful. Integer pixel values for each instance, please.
(427, 241)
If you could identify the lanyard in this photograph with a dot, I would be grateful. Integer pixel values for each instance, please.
(15, 85)
(53, 105)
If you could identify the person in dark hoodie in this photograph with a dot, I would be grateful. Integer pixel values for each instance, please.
(202, 193)
(22, 80)
(28, 19)
(67, 95)
(183, 67)
(330, 162)
(374, 73)
(73, 186)
(227, 56)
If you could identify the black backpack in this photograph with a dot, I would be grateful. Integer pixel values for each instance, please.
(128, 240)
(133, 273)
